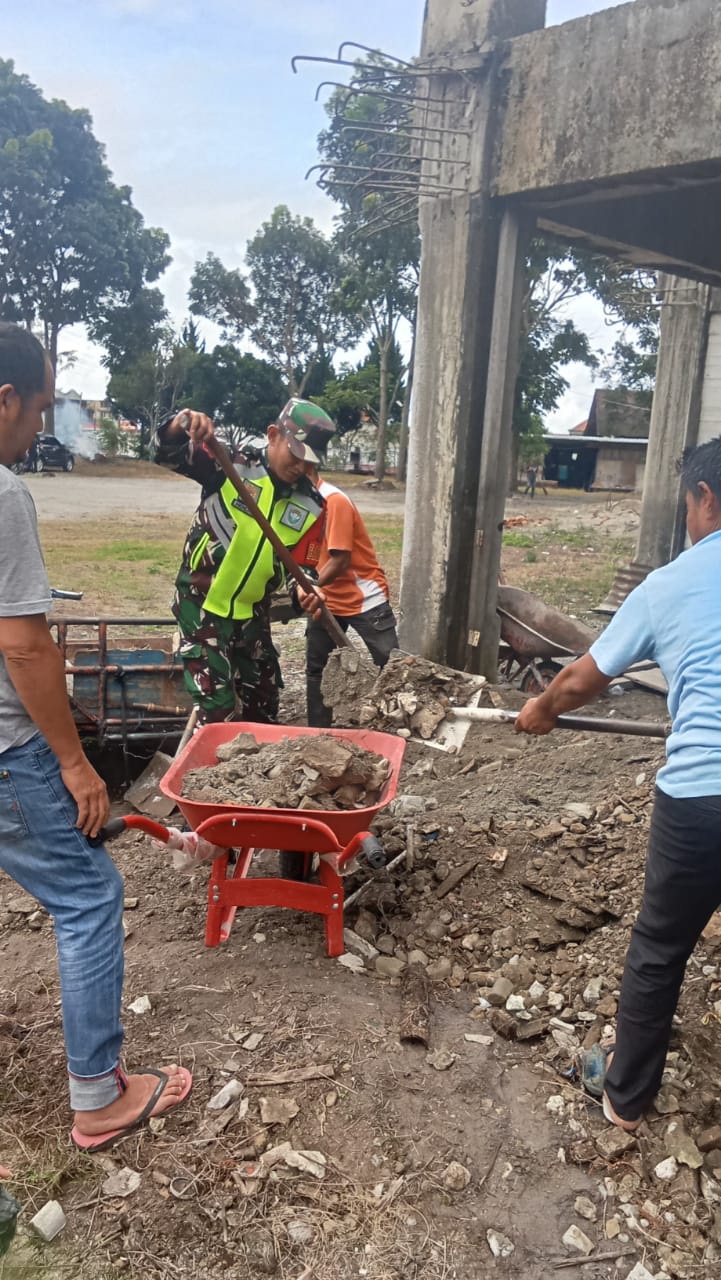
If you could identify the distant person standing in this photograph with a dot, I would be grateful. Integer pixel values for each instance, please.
(531, 475)
(355, 589)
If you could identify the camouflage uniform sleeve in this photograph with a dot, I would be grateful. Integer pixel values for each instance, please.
(176, 455)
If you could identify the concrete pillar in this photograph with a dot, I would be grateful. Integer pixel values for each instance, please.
(483, 622)
(710, 423)
(674, 426)
(459, 229)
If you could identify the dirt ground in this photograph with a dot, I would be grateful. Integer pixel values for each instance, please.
(425, 1162)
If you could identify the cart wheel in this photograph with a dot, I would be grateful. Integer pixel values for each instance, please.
(538, 677)
(294, 866)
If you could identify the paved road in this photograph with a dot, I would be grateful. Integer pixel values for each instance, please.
(77, 497)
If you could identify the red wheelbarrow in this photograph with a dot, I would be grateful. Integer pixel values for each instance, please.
(337, 837)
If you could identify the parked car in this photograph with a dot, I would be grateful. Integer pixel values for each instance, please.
(51, 455)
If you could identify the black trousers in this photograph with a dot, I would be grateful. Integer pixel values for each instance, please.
(681, 892)
(377, 630)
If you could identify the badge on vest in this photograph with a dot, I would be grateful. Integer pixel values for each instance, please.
(238, 501)
(294, 516)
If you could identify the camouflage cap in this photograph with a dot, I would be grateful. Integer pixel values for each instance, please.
(308, 429)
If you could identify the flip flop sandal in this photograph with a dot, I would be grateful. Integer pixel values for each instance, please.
(101, 1141)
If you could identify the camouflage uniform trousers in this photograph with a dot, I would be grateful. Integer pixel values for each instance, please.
(231, 667)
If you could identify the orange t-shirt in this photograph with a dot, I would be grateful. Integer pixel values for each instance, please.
(363, 585)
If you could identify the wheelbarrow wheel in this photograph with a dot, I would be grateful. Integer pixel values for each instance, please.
(538, 677)
(294, 866)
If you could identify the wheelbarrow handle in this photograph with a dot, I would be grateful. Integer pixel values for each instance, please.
(116, 827)
(591, 724)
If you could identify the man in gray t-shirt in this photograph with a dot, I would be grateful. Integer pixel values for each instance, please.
(52, 800)
(24, 590)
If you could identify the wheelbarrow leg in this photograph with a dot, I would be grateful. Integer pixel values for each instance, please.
(216, 908)
(239, 872)
(333, 918)
(220, 917)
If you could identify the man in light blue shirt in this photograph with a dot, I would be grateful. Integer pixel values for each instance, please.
(674, 618)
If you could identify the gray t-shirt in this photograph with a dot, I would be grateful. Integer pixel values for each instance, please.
(24, 589)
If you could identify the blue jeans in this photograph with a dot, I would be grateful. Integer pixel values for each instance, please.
(42, 849)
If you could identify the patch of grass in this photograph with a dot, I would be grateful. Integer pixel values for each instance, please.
(513, 538)
(123, 574)
(126, 550)
(387, 537)
(117, 571)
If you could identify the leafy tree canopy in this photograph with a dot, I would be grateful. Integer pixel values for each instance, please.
(73, 248)
(221, 294)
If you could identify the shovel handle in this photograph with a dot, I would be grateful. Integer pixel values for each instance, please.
(225, 462)
(591, 724)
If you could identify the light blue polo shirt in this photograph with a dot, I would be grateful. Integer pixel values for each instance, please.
(674, 618)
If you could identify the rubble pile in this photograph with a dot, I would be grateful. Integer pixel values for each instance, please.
(314, 772)
(537, 938)
(410, 696)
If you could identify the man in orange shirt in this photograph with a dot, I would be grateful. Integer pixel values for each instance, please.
(355, 590)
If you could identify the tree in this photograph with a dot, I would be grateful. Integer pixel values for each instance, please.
(113, 439)
(239, 391)
(289, 304)
(550, 340)
(129, 330)
(72, 245)
(221, 294)
(367, 150)
(147, 388)
(296, 274)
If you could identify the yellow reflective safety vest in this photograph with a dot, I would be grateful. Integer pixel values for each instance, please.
(249, 564)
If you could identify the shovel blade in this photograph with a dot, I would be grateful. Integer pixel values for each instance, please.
(145, 794)
(452, 732)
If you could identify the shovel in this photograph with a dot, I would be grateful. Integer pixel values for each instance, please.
(452, 731)
(145, 794)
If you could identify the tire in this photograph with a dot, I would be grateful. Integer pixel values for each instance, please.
(68, 464)
(536, 683)
(292, 866)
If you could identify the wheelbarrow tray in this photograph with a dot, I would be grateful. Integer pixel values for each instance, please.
(202, 751)
(533, 629)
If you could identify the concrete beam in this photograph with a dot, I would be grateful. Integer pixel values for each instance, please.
(460, 27)
(624, 91)
(674, 229)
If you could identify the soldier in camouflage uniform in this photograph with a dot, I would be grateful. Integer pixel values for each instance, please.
(229, 570)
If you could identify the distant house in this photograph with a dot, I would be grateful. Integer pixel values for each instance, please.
(608, 450)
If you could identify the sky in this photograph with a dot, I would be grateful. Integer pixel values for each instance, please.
(202, 116)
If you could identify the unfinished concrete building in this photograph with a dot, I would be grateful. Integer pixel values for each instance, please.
(605, 131)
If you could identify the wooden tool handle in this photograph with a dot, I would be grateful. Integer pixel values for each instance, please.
(225, 462)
